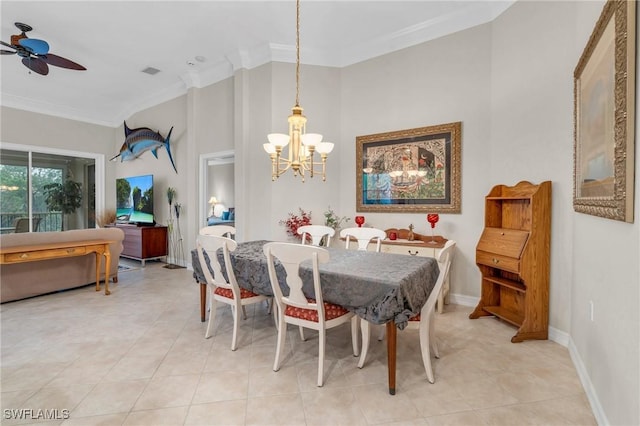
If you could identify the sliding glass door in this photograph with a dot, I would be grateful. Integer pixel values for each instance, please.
(44, 191)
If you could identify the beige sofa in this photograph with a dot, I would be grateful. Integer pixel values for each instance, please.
(21, 280)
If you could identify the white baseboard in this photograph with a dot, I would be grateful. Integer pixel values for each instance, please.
(589, 390)
(558, 336)
(555, 335)
(461, 299)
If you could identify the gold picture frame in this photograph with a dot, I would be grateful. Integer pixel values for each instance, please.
(604, 116)
(409, 171)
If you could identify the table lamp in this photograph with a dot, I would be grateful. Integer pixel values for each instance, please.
(213, 201)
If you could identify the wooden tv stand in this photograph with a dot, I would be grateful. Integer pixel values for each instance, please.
(144, 242)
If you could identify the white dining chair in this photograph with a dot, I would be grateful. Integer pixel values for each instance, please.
(223, 290)
(316, 232)
(296, 308)
(424, 321)
(363, 236)
(219, 230)
(222, 231)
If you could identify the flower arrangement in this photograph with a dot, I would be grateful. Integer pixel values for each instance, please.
(294, 221)
(332, 220)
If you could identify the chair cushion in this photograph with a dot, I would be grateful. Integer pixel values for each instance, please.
(331, 311)
(228, 293)
(416, 318)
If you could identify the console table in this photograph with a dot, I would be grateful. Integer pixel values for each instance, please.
(422, 246)
(31, 253)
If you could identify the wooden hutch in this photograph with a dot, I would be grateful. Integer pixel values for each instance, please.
(513, 257)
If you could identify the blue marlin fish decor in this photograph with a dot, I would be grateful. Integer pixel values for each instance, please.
(143, 139)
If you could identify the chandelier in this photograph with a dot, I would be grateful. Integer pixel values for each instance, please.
(301, 146)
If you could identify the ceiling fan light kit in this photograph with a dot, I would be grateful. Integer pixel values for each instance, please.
(35, 53)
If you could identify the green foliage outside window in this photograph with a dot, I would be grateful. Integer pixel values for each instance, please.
(63, 197)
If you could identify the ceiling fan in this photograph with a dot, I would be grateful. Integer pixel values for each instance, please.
(35, 53)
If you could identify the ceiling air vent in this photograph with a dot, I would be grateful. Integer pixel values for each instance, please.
(151, 70)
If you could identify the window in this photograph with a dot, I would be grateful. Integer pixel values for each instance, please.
(24, 173)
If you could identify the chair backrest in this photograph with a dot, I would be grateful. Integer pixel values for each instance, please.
(219, 230)
(363, 236)
(444, 259)
(22, 224)
(290, 256)
(210, 244)
(316, 232)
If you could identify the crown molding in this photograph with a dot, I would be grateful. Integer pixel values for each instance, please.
(475, 14)
(215, 74)
(48, 108)
(171, 92)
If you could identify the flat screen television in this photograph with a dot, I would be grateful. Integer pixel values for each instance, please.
(134, 200)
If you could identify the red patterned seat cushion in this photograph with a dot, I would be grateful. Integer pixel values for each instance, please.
(331, 311)
(416, 318)
(228, 293)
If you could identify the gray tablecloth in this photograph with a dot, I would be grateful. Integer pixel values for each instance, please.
(379, 287)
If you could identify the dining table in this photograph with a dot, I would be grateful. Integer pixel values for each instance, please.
(382, 288)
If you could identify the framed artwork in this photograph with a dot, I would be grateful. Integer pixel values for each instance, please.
(604, 116)
(409, 171)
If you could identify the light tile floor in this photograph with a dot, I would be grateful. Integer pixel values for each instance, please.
(139, 357)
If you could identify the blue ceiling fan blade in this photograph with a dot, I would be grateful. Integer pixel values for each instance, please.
(33, 45)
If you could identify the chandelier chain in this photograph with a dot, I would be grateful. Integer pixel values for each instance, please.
(297, 52)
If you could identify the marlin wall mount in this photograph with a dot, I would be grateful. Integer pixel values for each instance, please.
(143, 139)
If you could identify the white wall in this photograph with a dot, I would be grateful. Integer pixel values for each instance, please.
(28, 128)
(534, 51)
(161, 118)
(535, 48)
(443, 81)
(212, 120)
(320, 99)
(221, 184)
(269, 94)
(605, 267)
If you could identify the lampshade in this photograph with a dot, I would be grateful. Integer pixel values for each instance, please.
(278, 139)
(325, 147)
(311, 139)
(213, 200)
(269, 148)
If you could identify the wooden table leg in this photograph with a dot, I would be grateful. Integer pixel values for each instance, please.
(107, 269)
(98, 262)
(203, 301)
(391, 356)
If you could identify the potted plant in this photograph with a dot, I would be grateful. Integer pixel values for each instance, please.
(106, 217)
(63, 197)
(332, 220)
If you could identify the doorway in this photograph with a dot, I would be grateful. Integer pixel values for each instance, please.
(216, 180)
